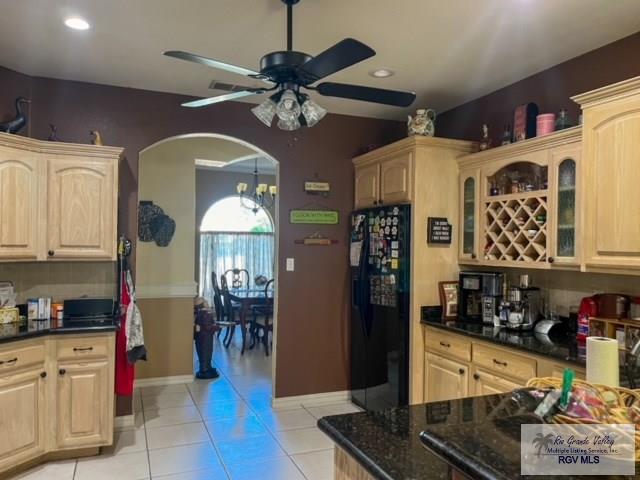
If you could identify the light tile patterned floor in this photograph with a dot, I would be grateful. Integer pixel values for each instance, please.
(224, 429)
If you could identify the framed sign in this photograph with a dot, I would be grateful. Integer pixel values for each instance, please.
(314, 217)
(315, 186)
(449, 299)
(439, 230)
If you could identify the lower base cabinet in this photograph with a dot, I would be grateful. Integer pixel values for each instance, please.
(445, 379)
(83, 415)
(56, 395)
(22, 427)
(485, 383)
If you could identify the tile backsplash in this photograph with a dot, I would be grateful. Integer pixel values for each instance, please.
(61, 280)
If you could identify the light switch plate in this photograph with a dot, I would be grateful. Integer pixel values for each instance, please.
(291, 265)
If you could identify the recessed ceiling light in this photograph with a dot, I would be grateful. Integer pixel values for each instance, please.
(382, 73)
(77, 23)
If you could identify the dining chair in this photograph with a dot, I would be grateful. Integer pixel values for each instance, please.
(217, 300)
(230, 310)
(262, 319)
(237, 278)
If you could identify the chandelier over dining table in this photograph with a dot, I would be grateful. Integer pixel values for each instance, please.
(258, 195)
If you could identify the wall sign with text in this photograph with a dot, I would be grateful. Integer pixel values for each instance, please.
(439, 230)
(314, 217)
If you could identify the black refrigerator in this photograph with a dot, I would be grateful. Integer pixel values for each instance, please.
(380, 265)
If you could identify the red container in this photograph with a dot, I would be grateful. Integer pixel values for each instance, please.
(588, 309)
(545, 124)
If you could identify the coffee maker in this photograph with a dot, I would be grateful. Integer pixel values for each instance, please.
(480, 296)
(523, 305)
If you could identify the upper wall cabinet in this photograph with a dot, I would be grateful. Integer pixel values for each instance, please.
(611, 176)
(384, 180)
(59, 201)
(518, 203)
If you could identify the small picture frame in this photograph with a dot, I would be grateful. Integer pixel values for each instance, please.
(449, 299)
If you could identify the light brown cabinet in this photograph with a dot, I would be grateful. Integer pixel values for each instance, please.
(84, 418)
(518, 203)
(81, 204)
(611, 176)
(445, 379)
(20, 196)
(54, 398)
(485, 383)
(384, 181)
(59, 201)
(22, 416)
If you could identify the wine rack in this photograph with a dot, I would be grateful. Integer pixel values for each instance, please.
(516, 227)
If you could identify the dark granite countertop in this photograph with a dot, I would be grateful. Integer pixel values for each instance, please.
(11, 332)
(565, 348)
(478, 436)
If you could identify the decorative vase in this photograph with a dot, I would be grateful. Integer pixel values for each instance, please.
(423, 123)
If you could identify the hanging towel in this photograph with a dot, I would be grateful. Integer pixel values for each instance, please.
(125, 371)
(133, 325)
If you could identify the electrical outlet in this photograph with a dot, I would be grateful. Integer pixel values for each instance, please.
(291, 265)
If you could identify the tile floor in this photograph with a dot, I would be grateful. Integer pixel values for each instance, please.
(212, 430)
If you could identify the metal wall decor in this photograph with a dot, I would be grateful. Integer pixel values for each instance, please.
(154, 225)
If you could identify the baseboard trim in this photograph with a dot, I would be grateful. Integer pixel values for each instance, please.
(315, 399)
(124, 421)
(160, 381)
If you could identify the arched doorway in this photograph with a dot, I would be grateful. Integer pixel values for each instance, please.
(168, 278)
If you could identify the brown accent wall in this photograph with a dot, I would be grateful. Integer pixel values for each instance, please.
(549, 89)
(313, 353)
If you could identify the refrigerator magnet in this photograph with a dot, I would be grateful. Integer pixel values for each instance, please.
(394, 263)
(394, 243)
(394, 254)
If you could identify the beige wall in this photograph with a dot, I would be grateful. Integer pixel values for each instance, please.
(61, 280)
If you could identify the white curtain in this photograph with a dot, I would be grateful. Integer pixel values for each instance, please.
(220, 252)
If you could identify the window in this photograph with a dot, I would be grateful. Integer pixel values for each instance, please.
(233, 236)
(229, 215)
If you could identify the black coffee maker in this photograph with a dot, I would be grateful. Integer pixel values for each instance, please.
(480, 296)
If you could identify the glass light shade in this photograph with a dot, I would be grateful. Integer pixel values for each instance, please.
(273, 190)
(312, 112)
(242, 187)
(265, 111)
(263, 187)
(293, 124)
(288, 107)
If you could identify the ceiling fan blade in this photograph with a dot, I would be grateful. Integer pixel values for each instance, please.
(210, 62)
(367, 94)
(202, 102)
(342, 55)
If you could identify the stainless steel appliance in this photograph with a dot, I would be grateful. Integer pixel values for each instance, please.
(480, 296)
(380, 267)
(524, 307)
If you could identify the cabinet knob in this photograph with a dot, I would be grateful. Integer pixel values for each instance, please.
(550, 259)
(43, 375)
(476, 376)
(461, 371)
(473, 256)
(51, 253)
(62, 371)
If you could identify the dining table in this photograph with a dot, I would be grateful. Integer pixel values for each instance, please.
(247, 298)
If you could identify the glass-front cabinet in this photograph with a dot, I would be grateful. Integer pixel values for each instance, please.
(468, 216)
(565, 162)
(519, 204)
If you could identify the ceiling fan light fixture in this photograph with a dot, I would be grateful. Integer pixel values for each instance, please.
(312, 112)
(289, 125)
(265, 111)
(288, 108)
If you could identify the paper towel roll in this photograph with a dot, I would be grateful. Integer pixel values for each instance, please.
(602, 361)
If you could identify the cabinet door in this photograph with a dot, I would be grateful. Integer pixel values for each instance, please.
(611, 140)
(563, 221)
(82, 209)
(445, 379)
(20, 196)
(85, 418)
(367, 185)
(22, 417)
(485, 383)
(468, 246)
(395, 179)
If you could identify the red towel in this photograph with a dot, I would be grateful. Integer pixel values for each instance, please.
(125, 371)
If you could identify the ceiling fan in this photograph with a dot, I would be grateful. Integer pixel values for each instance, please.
(287, 72)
